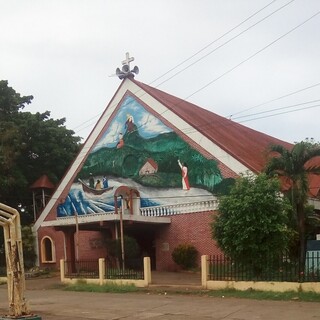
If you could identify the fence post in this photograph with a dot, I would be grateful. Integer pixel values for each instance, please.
(147, 270)
(204, 271)
(102, 270)
(62, 270)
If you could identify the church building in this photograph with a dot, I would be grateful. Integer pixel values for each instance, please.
(150, 169)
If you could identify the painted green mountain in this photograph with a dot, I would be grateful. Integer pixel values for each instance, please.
(165, 150)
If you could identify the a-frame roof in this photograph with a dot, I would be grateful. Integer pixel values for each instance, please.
(235, 146)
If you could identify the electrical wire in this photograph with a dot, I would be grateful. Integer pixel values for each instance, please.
(272, 100)
(211, 43)
(253, 55)
(223, 44)
(186, 60)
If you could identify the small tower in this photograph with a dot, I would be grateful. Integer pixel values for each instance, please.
(41, 191)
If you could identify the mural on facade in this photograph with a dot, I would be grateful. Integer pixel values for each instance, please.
(139, 151)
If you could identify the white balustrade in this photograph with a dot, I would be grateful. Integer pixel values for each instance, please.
(174, 209)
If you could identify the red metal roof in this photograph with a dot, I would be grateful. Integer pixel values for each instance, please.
(246, 145)
(42, 183)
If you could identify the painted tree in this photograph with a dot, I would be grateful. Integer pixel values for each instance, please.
(294, 167)
(251, 226)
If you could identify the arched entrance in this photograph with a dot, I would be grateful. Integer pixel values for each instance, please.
(130, 200)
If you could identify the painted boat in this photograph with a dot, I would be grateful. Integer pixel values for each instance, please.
(88, 189)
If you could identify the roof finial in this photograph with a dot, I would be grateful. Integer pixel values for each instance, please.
(125, 71)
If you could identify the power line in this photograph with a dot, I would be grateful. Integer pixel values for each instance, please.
(276, 109)
(226, 33)
(253, 55)
(231, 123)
(211, 43)
(250, 57)
(222, 45)
(272, 100)
(280, 113)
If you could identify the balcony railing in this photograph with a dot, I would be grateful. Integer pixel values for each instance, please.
(181, 208)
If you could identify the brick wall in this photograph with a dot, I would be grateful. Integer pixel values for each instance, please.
(190, 228)
(91, 245)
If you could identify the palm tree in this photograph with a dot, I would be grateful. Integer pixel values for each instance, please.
(294, 167)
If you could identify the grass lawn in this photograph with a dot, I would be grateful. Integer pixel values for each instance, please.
(231, 293)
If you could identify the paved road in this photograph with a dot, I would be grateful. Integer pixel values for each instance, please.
(58, 304)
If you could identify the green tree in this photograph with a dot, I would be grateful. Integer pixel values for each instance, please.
(30, 145)
(251, 226)
(28, 243)
(294, 166)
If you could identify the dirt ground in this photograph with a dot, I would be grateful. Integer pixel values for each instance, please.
(50, 302)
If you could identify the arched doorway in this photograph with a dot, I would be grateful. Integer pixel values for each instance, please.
(129, 200)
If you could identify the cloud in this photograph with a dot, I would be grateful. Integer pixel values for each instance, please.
(150, 126)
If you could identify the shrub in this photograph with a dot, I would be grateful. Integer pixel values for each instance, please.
(185, 256)
(131, 247)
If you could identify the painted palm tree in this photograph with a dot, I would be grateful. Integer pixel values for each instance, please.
(294, 167)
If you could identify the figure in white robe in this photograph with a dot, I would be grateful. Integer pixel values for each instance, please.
(184, 173)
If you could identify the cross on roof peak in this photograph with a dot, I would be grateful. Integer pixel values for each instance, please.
(127, 60)
(125, 71)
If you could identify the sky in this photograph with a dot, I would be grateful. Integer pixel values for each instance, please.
(254, 61)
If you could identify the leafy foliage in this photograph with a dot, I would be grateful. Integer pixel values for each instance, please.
(185, 256)
(294, 167)
(251, 225)
(30, 145)
(131, 248)
(28, 243)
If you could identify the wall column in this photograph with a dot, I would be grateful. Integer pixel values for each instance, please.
(70, 249)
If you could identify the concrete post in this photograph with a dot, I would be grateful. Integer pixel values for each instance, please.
(62, 270)
(147, 270)
(102, 270)
(204, 271)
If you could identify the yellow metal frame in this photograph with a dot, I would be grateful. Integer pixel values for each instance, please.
(10, 221)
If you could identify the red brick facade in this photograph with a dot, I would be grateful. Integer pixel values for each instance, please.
(90, 245)
(190, 228)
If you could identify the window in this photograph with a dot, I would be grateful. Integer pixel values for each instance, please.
(47, 250)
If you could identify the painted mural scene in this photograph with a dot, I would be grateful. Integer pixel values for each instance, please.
(137, 150)
(161, 184)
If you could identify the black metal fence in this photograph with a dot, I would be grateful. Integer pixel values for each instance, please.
(82, 269)
(131, 269)
(282, 269)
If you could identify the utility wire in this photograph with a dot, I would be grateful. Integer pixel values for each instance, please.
(272, 100)
(231, 122)
(253, 55)
(280, 113)
(226, 33)
(223, 44)
(211, 43)
(277, 109)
